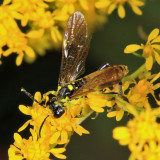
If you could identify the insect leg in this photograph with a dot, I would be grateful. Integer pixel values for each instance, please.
(118, 90)
(120, 84)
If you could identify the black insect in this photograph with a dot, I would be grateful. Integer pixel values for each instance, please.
(74, 53)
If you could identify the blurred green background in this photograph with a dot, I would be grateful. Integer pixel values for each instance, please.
(107, 45)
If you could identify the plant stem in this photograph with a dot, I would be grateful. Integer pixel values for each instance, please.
(123, 104)
(135, 74)
(84, 118)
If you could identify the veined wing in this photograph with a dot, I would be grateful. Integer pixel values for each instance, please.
(101, 79)
(75, 49)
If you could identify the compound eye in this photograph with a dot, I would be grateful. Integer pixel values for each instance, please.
(59, 112)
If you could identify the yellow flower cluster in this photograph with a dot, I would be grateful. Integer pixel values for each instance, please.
(42, 23)
(34, 148)
(46, 134)
(150, 51)
(111, 5)
(41, 26)
(142, 135)
(47, 131)
(138, 95)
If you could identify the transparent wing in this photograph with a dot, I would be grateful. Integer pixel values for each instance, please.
(75, 48)
(101, 79)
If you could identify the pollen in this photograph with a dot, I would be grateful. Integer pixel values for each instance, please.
(64, 100)
(70, 87)
(59, 87)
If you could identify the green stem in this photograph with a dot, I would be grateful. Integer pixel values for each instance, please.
(84, 118)
(135, 74)
(123, 104)
(136, 54)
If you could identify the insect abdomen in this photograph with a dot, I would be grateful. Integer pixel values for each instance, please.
(101, 79)
(112, 75)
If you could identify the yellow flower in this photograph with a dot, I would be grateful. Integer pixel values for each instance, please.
(117, 110)
(138, 95)
(118, 113)
(47, 132)
(151, 50)
(34, 148)
(70, 6)
(44, 20)
(64, 127)
(142, 135)
(97, 101)
(28, 9)
(111, 5)
(58, 130)
(11, 37)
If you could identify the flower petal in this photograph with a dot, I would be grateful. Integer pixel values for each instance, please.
(19, 59)
(24, 109)
(136, 10)
(132, 48)
(7, 52)
(18, 139)
(54, 138)
(56, 152)
(84, 4)
(3, 31)
(156, 40)
(149, 63)
(64, 136)
(121, 11)
(80, 130)
(24, 126)
(156, 46)
(102, 4)
(35, 33)
(157, 57)
(121, 133)
(153, 34)
(60, 156)
(156, 86)
(37, 96)
(29, 51)
(112, 114)
(120, 115)
(111, 8)
(97, 109)
(5, 2)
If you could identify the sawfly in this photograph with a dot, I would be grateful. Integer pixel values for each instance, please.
(74, 53)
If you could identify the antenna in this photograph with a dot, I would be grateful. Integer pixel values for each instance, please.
(30, 96)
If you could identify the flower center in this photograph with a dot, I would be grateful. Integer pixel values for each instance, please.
(143, 87)
(147, 51)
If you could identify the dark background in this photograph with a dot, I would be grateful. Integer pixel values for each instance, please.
(107, 45)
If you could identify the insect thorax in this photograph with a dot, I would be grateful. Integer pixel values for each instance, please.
(56, 103)
(69, 89)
